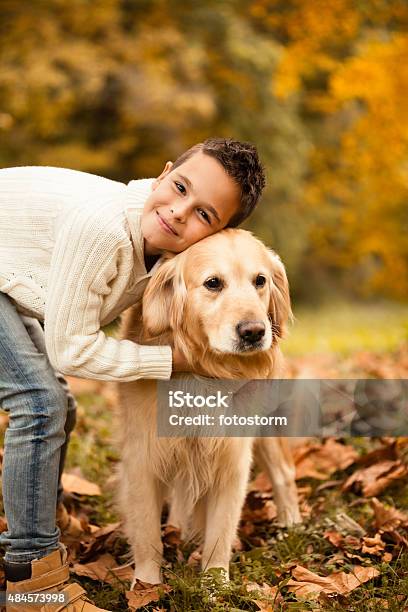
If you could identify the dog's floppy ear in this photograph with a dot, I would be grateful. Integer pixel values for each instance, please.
(279, 305)
(163, 300)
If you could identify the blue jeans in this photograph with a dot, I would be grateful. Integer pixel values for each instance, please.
(42, 414)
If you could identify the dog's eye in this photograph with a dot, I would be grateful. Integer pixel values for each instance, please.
(214, 284)
(260, 280)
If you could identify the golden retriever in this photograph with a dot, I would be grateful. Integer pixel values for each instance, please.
(225, 303)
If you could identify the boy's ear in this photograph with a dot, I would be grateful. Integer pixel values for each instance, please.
(164, 298)
(279, 305)
(167, 168)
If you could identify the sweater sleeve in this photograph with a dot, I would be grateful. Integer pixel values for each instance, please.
(83, 265)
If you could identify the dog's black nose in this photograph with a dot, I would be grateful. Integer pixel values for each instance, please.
(251, 331)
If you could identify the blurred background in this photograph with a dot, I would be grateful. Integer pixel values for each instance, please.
(117, 87)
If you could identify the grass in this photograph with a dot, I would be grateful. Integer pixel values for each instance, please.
(268, 563)
(344, 327)
(341, 328)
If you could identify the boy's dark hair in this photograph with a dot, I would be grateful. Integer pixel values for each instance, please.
(241, 162)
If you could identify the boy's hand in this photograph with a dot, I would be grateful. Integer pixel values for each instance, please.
(180, 363)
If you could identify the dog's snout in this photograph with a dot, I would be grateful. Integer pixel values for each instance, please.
(251, 331)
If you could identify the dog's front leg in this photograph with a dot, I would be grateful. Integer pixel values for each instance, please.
(224, 505)
(273, 456)
(144, 500)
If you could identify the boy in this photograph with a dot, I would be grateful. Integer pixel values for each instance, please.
(75, 251)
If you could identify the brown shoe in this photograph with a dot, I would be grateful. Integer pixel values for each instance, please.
(50, 574)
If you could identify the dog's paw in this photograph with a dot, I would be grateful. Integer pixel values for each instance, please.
(289, 517)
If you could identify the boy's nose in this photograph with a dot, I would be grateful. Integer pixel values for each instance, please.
(179, 212)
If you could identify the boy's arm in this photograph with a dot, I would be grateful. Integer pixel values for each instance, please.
(84, 263)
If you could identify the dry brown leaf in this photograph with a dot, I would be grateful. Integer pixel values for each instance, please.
(75, 484)
(271, 594)
(373, 546)
(105, 569)
(106, 530)
(259, 507)
(97, 570)
(334, 538)
(381, 366)
(374, 479)
(321, 460)
(246, 529)
(351, 555)
(171, 536)
(144, 593)
(387, 518)
(329, 484)
(72, 527)
(310, 584)
(123, 572)
(387, 452)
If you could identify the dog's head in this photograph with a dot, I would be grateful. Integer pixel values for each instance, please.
(226, 295)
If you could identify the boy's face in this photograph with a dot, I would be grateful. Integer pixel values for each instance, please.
(187, 204)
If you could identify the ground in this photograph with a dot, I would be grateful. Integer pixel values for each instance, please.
(350, 553)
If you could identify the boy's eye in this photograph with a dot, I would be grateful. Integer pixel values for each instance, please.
(180, 187)
(214, 284)
(204, 215)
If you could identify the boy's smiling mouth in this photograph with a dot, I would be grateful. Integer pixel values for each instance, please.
(165, 225)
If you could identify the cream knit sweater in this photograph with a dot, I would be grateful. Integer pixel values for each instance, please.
(71, 254)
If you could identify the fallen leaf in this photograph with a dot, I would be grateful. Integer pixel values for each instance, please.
(72, 527)
(246, 529)
(321, 460)
(123, 572)
(334, 538)
(259, 507)
(374, 479)
(387, 518)
(97, 570)
(171, 536)
(270, 593)
(107, 530)
(104, 569)
(373, 546)
(351, 555)
(144, 593)
(387, 452)
(75, 484)
(329, 484)
(310, 584)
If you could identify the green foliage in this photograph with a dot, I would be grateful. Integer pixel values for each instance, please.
(118, 87)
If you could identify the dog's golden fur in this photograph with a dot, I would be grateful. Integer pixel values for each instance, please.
(205, 478)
